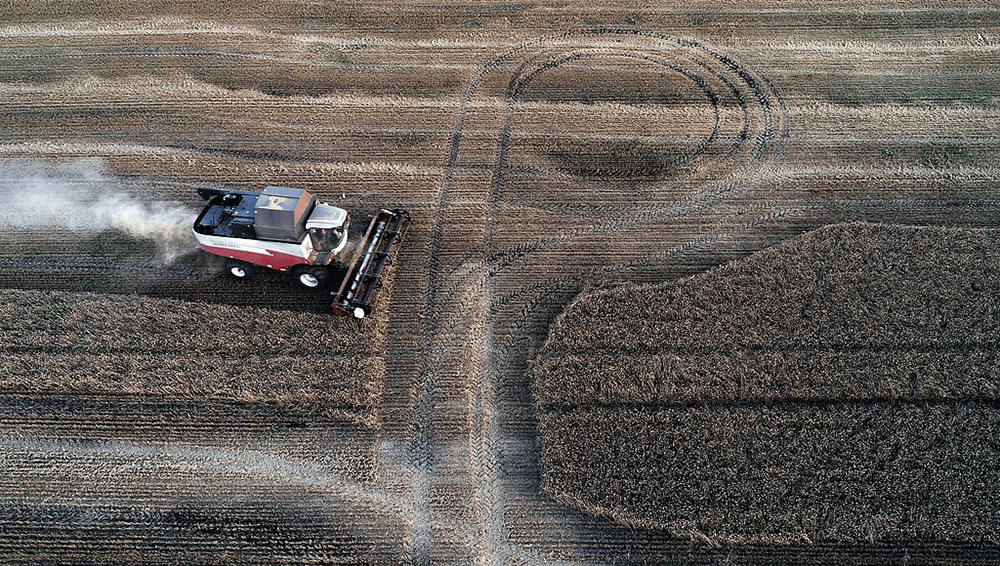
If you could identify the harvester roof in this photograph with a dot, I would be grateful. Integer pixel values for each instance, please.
(326, 216)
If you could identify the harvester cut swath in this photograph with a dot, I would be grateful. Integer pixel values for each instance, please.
(288, 229)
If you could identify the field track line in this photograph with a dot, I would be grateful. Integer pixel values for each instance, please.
(488, 393)
(422, 445)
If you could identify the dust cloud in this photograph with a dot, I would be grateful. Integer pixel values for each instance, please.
(79, 195)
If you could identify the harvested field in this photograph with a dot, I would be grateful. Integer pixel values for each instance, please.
(542, 150)
(839, 386)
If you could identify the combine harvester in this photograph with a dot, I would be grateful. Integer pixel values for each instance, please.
(289, 230)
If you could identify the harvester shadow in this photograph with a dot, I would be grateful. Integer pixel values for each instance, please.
(264, 289)
(193, 277)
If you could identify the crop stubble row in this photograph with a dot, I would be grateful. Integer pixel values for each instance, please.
(218, 446)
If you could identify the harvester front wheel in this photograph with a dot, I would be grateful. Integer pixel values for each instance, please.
(239, 269)
(310, 277)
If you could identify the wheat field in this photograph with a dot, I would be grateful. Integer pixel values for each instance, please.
(152, 410)
(839, 386)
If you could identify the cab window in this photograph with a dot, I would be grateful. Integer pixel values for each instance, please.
(326, 239)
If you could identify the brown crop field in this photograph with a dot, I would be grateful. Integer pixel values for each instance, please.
(153, 410)
(839, 386)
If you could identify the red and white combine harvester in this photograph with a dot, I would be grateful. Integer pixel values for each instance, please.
(289, 230)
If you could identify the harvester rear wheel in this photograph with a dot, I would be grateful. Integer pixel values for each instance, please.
(310, 277)
(239, 269)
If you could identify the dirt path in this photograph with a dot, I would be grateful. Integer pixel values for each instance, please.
(494, 292)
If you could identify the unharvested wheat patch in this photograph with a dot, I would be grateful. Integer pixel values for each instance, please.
(61, 343)
(838, 286)
(804, 354)
(846, 472)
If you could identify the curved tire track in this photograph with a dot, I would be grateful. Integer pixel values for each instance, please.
(458, 331)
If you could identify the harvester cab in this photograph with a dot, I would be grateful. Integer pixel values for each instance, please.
(290, 230)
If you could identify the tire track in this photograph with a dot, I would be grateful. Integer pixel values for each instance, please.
(493, 362)
(509, 358)
(696, 202)
(422, 443)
